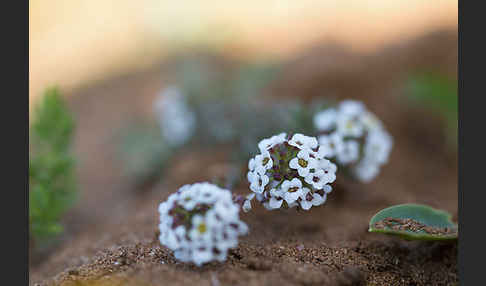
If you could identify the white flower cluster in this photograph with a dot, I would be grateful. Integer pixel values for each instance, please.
(355, 138)
(177, 121)
(200, 222)
(289, 172)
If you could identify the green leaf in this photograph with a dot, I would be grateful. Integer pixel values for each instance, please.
(414, 222)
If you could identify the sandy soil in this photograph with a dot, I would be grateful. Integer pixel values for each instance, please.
(110, 238)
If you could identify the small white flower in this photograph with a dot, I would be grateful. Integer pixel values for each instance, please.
(371, 122)
(349, 152)
(291, 190)
(325, 120)
(226, 208)
(351, 107)
(329, 170)
(301, 141)
(303, 163)
(202, 255)
(260, 170)
(327, 189)
(309, 199)
(247, 203)
(183, 254)
(188, 199)
(207, 195)
(276, 192)
(330, 145)
(275, 203)
(320, 178)
(349, 125)
(258, 182)
(177, 121)
(378, 146)
(251, 164)
(268, 143)
(366, 171)
(200, 230)
(264, 160)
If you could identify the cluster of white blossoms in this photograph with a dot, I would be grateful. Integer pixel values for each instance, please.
(177, 121)
(200, 222)
(354, 137)
(290, 172)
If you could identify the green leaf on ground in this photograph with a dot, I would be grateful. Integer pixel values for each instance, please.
(414, 222)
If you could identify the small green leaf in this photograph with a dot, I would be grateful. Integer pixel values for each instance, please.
(414, 222)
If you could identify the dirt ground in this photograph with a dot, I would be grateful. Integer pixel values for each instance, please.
(110, 236)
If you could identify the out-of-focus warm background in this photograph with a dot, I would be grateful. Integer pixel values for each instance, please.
(73, 43)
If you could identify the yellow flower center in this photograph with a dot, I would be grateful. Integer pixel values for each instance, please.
(302, 163)
(349, 124)
(201, 228)
(265, 161)
(294, 189)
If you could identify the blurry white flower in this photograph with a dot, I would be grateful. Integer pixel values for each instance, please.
(325, 120)
(199, 231)
(351, 107)
(376, 151)
(349, 126)
(331, 145)
(356, 139)
(287, 166)
(366, 171)
(349, 152)
(378, 146)
(371, 122)
(177, 121)
(200, 222)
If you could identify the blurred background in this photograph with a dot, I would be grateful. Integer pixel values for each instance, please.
(74, 43)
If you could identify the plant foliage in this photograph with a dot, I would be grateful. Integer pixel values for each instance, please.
(438, 93)
(51, 174)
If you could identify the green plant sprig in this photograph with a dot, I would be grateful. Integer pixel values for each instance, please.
(51, 165)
